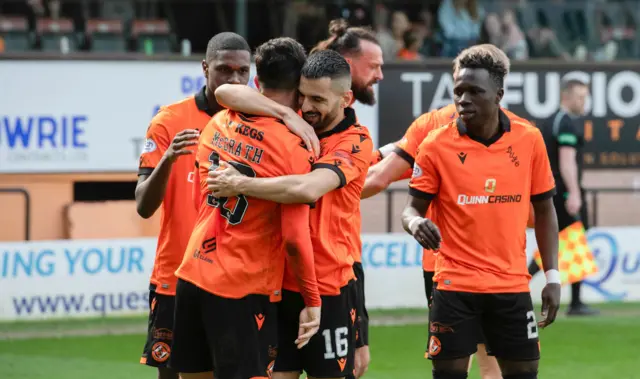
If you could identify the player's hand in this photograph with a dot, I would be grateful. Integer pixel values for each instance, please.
(309, 325)
(181, 143)
(550, 304)
(573, 203)
(223, 182)
(298, 126)
(427, 234)
(362, 359)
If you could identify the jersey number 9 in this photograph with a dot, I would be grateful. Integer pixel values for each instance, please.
(234, 216)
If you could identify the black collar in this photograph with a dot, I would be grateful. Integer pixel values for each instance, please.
(202, 103)
(349, 119)
(503, 121)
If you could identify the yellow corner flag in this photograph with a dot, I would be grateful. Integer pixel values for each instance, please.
(575, 259)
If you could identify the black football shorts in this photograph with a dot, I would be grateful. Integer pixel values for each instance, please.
(234, 338)
(157, 349)
(329, 353)
(506, 321)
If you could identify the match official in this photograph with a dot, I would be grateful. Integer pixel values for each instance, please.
(565, 141)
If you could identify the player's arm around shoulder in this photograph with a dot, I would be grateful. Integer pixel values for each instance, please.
(397, 164)
(162, 148)
(335, 169)
(348, 160)
(242, 98)
(392, 168)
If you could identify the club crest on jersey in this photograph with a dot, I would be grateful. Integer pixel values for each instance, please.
(149, 146)
(490, 185)
(417, 171)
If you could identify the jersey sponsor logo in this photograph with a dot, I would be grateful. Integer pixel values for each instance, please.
(149, 146)
(490, 185)
(488, 199)
(417, 171)
(355, 149)
(462, 156)
(207, 246)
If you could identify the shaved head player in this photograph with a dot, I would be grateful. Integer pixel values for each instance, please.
(361, 49)
(164, 176)
(484, 166)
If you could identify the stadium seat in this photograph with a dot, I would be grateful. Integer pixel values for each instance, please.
(619, 24)
(15, 35)
(117, 219)
(52, 31)
(106, 35)
(157, 33)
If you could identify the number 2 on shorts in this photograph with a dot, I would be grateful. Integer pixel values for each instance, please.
(341, 342)
(532, 326)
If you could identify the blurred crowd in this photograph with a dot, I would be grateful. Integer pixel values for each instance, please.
(409, 30)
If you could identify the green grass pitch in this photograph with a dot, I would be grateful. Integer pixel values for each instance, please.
(603, 347)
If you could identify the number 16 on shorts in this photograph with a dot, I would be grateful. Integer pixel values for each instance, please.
(336, 343)
(339, 349)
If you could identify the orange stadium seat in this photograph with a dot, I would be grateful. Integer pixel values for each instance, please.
(14, 32)
(52, 31)
(108, 219)
(155, 32)
(106, 35)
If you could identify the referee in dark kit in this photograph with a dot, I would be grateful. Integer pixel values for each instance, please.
(565, 142)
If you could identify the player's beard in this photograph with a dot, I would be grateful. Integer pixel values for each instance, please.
(364, 93)
(319, 122)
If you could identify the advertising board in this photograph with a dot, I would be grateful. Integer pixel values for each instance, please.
(393, 267)
(91, 116)
(59, 279)
(611, 125)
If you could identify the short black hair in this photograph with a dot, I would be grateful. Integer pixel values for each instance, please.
(485, 56)
(225, 41)
(279, 62)
(326, 64)
(568, 85)
(345, 39)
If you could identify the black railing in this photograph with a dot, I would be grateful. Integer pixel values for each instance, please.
(593, 192)
(27, 208)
